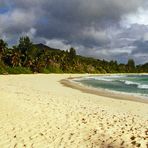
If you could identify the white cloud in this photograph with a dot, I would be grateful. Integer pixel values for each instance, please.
(140, 17)
(98, 35)
(17, 19)
(31, 33)
(59, 44)
(116, 51)
(145, 36)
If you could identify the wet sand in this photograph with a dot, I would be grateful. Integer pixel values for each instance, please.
(102, 92)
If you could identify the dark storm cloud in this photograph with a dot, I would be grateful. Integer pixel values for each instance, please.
(141, 47)
(92, 26)
(71, 19)
(68, 18)
(88, 12)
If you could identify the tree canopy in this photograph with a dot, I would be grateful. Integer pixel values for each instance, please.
(27, 57)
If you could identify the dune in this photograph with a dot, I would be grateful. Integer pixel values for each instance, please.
(38, 111)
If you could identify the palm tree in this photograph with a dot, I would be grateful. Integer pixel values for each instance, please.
(16, 57)
(13, 57)
(3, 47)
(25, 45)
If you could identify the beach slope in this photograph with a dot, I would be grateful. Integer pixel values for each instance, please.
(38, 111)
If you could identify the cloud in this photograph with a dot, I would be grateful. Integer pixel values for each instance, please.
(31, 33)
(99, 28)
(140, 18)
(59, 44)
(14, 23)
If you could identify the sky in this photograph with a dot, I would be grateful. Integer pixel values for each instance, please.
(103, 29)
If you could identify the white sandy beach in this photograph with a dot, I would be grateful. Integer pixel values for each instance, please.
(37, 111)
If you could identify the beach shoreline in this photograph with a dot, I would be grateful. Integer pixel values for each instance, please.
(102, 92)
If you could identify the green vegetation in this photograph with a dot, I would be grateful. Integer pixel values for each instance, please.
(27, 57)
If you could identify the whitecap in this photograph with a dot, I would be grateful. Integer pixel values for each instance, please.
(142, 86)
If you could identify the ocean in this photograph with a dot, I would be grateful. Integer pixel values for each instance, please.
(131, 84)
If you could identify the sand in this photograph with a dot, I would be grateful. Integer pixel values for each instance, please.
(37, 111)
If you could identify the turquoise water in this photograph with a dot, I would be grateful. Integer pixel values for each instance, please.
(133, 84)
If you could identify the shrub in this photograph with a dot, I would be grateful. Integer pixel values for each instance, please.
(53, 69)
(45, 70)
(18, 70)
(2, 70)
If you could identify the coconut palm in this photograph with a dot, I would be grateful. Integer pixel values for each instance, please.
(3, 47)
(13, 57)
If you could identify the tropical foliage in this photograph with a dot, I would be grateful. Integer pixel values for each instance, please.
(27, 57)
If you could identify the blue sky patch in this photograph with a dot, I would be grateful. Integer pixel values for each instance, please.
(3, 10)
